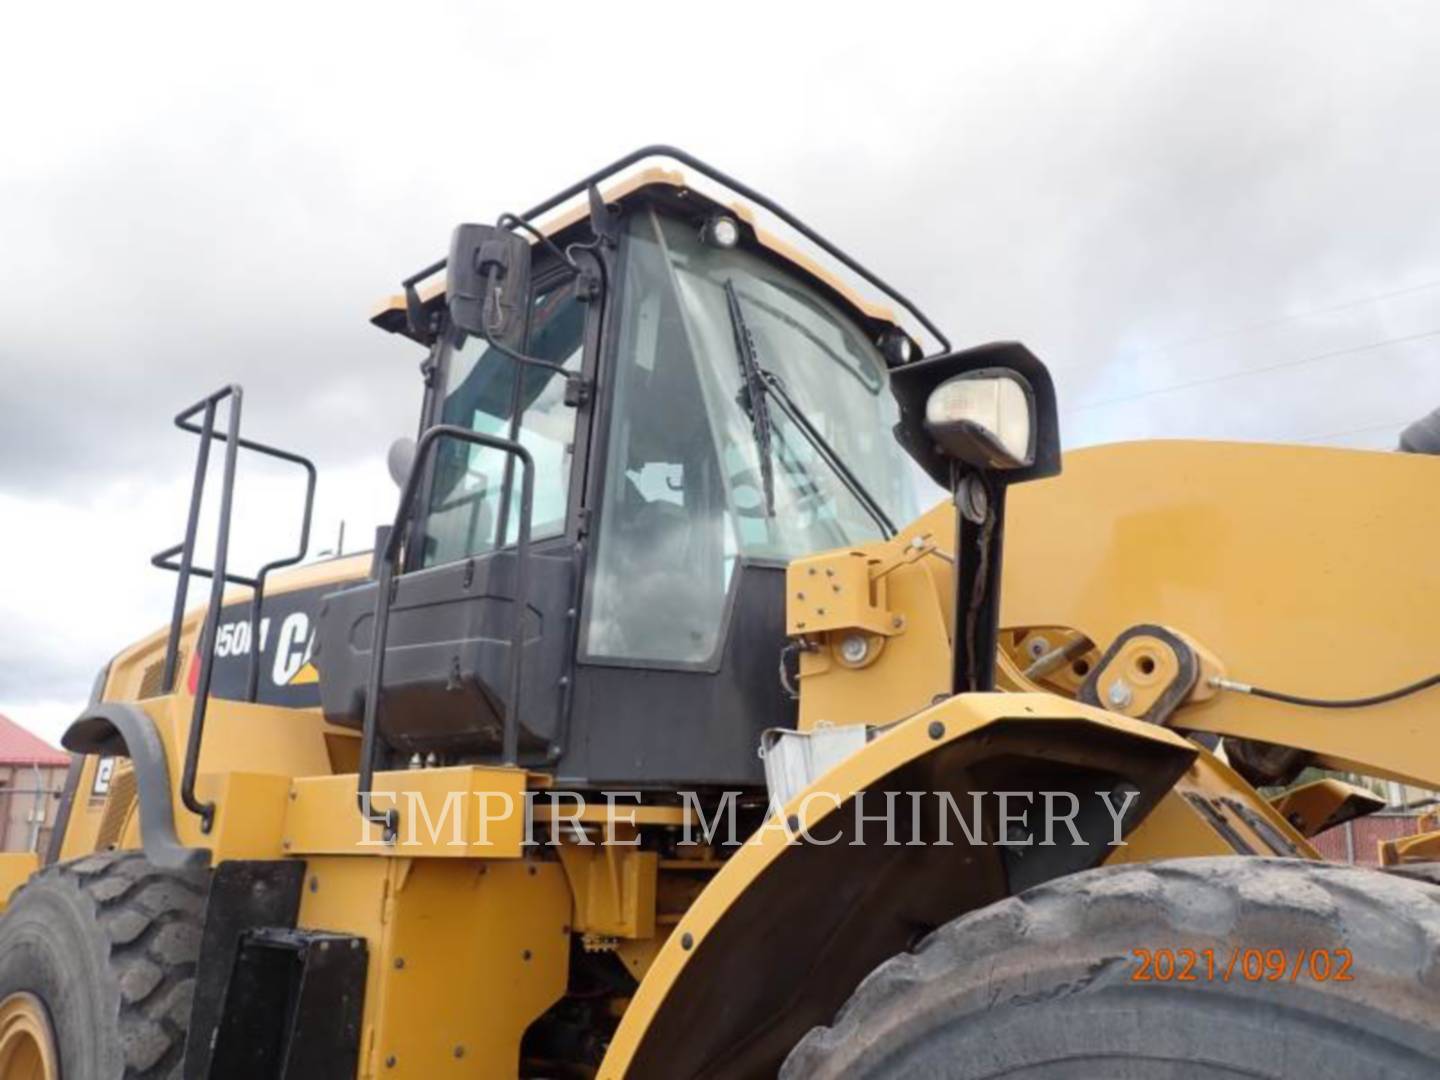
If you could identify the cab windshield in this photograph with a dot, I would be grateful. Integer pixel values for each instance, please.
(752, 419)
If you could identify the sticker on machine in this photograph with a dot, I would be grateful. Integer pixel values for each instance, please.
(285, 642)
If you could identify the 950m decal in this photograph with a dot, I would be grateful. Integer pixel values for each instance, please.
(286, 644)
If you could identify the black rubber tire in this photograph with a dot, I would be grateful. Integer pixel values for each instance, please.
(108, 943)
(1042, 985)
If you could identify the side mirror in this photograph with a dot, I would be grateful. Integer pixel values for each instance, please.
(984, 418)
(400, 459)
(978, 421)
(487, 282)
(991, 408)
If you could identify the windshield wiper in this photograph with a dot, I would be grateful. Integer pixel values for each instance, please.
(758, 382)
(752, 395)
(822, 446)
(865, 378)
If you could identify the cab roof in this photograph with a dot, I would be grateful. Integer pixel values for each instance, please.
(638, 176)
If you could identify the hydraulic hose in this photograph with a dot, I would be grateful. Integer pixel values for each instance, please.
(1326, 703)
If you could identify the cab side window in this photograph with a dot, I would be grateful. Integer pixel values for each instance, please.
(474, 501)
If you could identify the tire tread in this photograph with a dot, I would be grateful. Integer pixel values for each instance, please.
(150, 921)
(1241, 898)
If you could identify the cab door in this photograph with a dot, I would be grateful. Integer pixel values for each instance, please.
(449, 632)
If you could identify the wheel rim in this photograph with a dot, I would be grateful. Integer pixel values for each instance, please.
(27, 1045)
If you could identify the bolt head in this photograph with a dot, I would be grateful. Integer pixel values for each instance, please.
(854, 648)
(1119, 695)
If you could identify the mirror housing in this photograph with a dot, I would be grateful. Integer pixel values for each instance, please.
(957, 433)
(487, 282)
(984, 418)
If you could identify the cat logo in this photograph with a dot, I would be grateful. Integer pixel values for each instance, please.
(104, 773)
(293, 665)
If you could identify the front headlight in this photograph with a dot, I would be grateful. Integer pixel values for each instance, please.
(984, 418)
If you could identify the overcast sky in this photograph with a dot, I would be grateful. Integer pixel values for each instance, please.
(1211, 220)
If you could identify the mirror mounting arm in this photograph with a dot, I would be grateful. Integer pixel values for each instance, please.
(604, 219)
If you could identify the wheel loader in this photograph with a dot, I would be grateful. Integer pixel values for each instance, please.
(683, 723)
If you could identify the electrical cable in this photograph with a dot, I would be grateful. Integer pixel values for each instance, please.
(1326, 703)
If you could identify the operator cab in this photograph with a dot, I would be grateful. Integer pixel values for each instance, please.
(699, 405)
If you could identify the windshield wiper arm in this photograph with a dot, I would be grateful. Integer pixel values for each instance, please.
(752, 395)
(759, 381)
(772, 384)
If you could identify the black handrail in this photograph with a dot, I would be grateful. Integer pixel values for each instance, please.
(389, 820)
(676, 154)
(218, 574)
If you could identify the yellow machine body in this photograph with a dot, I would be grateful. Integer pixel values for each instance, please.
(470, 941)
(1306, 569)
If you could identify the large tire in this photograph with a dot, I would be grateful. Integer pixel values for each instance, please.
(1042, 984)
(108, 943)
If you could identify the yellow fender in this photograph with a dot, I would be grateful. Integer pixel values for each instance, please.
(15, 869)
(788, 927)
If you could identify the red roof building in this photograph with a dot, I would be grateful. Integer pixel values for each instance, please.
(19, 747)
(32, 776)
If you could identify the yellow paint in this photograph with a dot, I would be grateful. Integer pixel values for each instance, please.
(621, 813)
(1147, 665)
(15, 869)
(1025, 646)
(464, 812)
(617, 191)
(305, 676)
(909, 666)
(27, 1041)
(959, 717)
(613, 885)
(1176, 829)
(1282, 591)
(1312, 807)
(250, 809)
(1305, 569)
(1421, 848)
(464, 955)
(837, 591)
